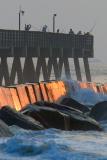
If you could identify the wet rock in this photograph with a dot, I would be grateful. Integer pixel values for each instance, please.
(53, 117)
(99, 111)
(47, 116)
(74, 104)
(57, 106)
(4, 130)
(12, 117)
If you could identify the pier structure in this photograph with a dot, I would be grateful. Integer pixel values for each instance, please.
(42, 50)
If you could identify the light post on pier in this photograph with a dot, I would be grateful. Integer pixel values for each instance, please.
(54, 15)
(21, 12)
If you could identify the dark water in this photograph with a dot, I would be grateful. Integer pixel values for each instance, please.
(54, 144)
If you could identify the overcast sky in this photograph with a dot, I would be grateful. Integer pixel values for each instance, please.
(75, 14)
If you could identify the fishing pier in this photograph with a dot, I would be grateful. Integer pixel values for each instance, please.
(42, 50)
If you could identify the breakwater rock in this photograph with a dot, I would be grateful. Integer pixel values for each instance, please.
(53, 115)
(40, 106)
(4, 130)
(99, 111)
(12, 117)
(74, 104)
(48, 115)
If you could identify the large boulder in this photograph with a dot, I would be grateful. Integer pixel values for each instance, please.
(99, 111)
(55, 117)
(57, 106)
(12, 117)
(4, 130)
(74, 104)
(47, 116)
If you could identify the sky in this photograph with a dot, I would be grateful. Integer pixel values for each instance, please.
(76, 14)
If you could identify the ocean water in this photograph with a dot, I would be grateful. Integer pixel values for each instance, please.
(53, 144)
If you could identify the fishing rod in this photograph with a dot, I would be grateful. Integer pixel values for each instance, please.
(91, 30)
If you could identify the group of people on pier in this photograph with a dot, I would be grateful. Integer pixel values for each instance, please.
(44, 29)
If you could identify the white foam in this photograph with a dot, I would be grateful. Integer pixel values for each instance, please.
(84, 96)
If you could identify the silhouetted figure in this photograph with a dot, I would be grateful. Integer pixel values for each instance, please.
(88, 33)
(57, 30)
(79, 33)
(71, 31)
(44, 28)
(27, 27)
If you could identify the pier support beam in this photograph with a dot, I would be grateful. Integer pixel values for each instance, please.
(16, 68)
(87, 69)
(37, 62)
(4, 71)
(53, 62)
(67, 68)
(29, 70)
(64, 61)
(77, 69)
